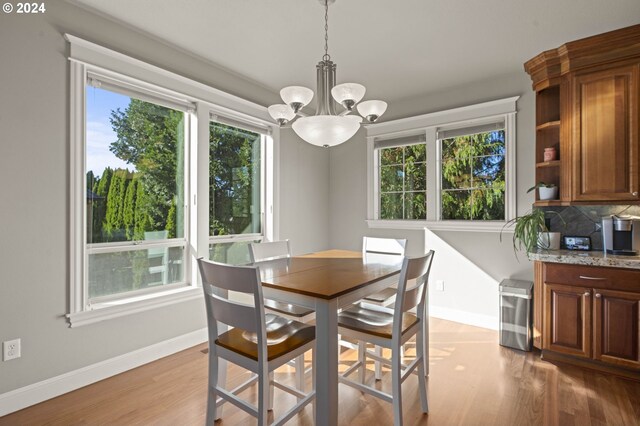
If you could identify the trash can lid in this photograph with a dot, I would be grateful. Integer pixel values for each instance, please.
(516, 286)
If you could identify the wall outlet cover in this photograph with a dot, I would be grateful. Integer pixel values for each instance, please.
(11, 349)
(439, 285)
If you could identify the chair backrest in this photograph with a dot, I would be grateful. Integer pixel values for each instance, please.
(412, 287)
(383, 245)
(217, 280)
(269, 251)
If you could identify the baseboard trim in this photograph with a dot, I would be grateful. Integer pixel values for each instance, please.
(469, 318)
(26, 396)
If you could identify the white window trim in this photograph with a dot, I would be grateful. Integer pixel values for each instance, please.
(429, 124)
(86, 56)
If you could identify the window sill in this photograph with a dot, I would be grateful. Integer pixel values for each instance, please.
(122, 307)
(444, 225)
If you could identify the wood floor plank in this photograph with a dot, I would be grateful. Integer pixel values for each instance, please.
(473, 381)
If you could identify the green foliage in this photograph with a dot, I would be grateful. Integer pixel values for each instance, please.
(473, 177)
(528, 228)
(114, 221)
(130, 207)
(171, 221)
(149, 137)
(403, 182)
(234, 173)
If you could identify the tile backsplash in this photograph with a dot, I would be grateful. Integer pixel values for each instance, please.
(582, 220)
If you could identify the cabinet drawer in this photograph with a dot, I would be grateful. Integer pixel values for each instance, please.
(592, 276)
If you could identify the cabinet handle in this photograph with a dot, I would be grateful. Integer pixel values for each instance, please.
(587, 293)
(598, 295)
(635, 194)
(584, 277)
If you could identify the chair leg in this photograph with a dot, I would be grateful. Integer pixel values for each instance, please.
(299, 366)
(362, 359)
(425, 331)
(396, 386)
(212, 395)
(313, 378)
(422, 380)
(271, 388)
(263, 397)
(378, 364)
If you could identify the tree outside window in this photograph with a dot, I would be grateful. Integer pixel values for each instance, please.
(473, 177)
(403, 182)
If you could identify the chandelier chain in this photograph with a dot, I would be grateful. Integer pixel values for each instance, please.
(326, 56)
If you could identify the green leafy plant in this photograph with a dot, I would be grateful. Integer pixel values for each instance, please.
(541, 185)
(528, 228)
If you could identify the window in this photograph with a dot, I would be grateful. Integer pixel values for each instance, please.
(473, 173)
(236, 191)
(403, 181)
(145, 150)
(135, 186)
(451, 170)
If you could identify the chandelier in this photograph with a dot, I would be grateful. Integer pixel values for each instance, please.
(327, 127)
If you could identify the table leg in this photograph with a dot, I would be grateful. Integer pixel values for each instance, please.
(326, 362)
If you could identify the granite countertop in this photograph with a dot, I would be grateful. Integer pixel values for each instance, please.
(589, 258)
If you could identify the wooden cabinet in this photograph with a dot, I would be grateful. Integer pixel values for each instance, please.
(616, 316)
(567, 319)
(604, 135)
(587, 95)
(589, 314)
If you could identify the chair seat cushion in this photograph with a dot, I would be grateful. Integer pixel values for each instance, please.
(382, 296)
(283, 336)
(374, 320)
(287, 308)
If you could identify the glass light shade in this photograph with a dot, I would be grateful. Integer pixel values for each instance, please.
(348, 91)
(327, 130)
(281, 112)
(296, 94)
(372, 109)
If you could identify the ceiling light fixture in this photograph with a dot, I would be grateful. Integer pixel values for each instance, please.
(327, 127)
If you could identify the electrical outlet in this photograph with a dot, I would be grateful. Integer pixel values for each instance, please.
(11, 349)
(439, 285)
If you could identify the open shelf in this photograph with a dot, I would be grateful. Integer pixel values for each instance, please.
(550, 203)
(548, 125)
(554, 163)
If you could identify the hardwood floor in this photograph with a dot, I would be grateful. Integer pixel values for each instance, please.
(473, 381)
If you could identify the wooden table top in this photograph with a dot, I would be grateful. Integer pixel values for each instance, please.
(328, 274)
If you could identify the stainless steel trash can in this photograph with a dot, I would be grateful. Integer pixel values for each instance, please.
(516, 330)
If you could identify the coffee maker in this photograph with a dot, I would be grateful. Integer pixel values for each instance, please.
(621, 235)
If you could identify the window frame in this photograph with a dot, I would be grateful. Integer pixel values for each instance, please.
(427, 126)
(86, 57)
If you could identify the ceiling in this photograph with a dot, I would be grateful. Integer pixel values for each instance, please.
(397, 48)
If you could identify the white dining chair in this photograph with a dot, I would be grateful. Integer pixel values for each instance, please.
(274, 250)
(257, 342)
(391, 328)
(385, 297)
(383, 246)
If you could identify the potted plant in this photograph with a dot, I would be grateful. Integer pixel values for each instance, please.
(546, 191)
(531, 231)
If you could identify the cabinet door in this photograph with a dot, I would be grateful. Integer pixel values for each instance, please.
(616, 334)
(605, 135)
(567, 320)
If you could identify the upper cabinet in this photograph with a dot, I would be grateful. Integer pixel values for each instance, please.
(587, 95)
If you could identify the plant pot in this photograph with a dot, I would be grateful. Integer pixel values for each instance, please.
(545, 193)
(549, 240)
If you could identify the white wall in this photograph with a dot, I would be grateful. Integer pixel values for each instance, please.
(304, 192)
(34, 169)
(471, 264)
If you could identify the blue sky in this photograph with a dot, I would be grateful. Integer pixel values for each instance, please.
(100, 135)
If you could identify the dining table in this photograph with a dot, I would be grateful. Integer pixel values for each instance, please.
(328, 281)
